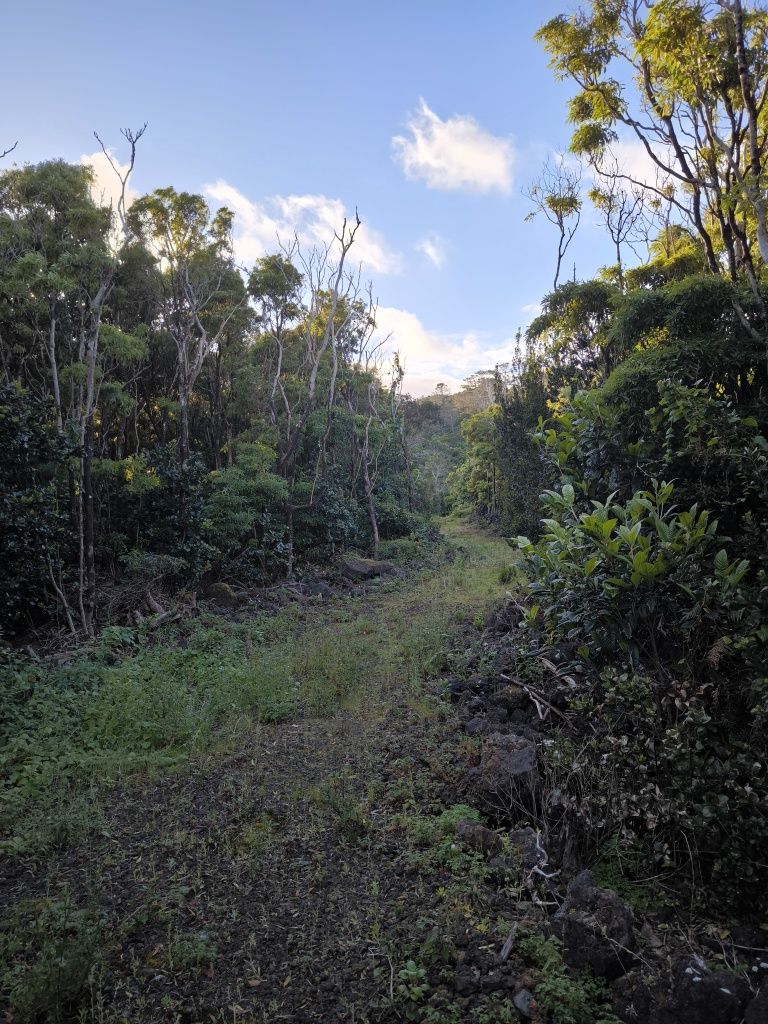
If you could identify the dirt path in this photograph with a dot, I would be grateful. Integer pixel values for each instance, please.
(286, 880)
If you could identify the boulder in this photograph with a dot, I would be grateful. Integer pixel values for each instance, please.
(358, 569)
(757, 1011)
(507, 765)
(478, 837)
(525, 1004)
(633, 999)
(477, 726)
(527, 845)
(467, 980)
(596, 929)
(701, 996)
(316, 588)
(223, 595)
(526, 852)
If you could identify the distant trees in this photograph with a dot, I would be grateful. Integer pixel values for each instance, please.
(200, 421)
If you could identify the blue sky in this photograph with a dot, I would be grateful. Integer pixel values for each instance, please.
(292, 112)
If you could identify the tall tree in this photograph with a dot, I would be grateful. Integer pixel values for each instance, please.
(687, 80)
(202, 290)
(556, 194)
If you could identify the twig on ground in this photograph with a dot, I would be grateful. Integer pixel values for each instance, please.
(506, 949)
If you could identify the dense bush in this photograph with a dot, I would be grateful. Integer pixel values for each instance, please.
(641, 577)
(667, 637)
(33, 512)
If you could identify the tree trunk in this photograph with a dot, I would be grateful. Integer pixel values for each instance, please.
(55, 374)
(89, 594)
(289, 532)
(371, 510)
(183, 422)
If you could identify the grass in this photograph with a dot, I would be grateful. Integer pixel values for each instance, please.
(186, 875)
(141, 702)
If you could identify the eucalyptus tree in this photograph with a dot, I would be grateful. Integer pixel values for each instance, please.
(60, 254)
(306, 303)
(202, 290)
(622, 210)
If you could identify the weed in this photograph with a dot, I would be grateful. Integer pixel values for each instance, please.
(617, 868)
(564, 998)
(411, 989)
(349, 812)
(253, 840)
(48, 952)
(436, 845)
(508, 575)
(189, 954)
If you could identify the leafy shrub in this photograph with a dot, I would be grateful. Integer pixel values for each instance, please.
(688, 770)
(165, 518)
(239, 511)
(327, 519)
(678, 709)
(33, 520)
(563, 997)
(396, 521)
(641, 577)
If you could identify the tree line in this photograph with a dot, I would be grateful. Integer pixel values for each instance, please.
(170, 417)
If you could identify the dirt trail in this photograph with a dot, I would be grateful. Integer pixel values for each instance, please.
(274, 882)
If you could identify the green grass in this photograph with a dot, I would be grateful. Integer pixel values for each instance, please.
(141, 702)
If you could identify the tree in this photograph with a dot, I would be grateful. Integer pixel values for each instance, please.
(572, 328)
(557, 195)
(699, 76)
(61, 254)
(621, 210)
(308, 315)
(202, 290)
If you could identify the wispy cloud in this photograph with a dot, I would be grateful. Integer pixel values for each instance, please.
(431, 357)
(454, 154)
(259, 226)
(434, 248)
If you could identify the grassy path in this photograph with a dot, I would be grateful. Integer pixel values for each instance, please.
(273, 874)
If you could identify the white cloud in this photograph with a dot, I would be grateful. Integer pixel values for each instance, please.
(454, 154)
(631, 158)
(433, 247)
(430, 357)
(531, 309)
(259, 226)
(106, 185)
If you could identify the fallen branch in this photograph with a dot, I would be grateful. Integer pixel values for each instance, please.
(154, 606)
(541, 701)
(506, 949)
(557, 673)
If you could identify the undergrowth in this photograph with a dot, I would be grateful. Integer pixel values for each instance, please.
(138, 701)
(563, 997)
